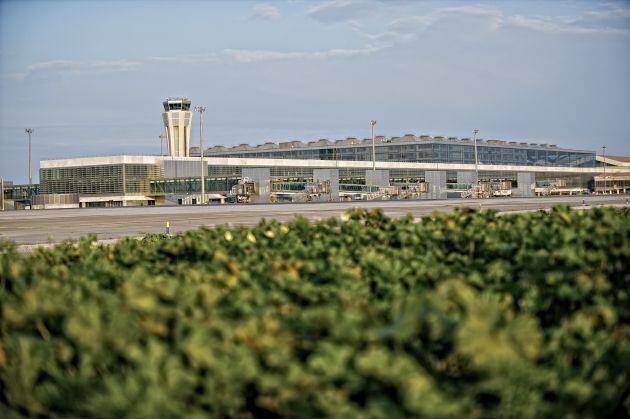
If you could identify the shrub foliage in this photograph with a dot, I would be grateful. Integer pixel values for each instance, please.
(466, 314)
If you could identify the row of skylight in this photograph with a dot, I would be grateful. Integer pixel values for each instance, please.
(324, 142)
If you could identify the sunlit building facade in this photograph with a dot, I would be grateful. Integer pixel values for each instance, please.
(417, 149)
(177, 118)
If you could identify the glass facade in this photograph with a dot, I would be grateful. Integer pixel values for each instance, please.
(105, 179)
(176, 104)
(192, 185)
(11, 191)
(108, 179)
(406, 176)
(427, 152)
(565, 180)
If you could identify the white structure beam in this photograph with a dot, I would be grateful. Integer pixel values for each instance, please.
(323, 164)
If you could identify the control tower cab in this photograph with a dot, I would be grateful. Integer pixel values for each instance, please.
(177, 117)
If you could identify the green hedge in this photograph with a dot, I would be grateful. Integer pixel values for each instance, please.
(466, 314)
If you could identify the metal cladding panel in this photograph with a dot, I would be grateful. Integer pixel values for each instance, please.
(178, 169)
(524, 184)
(467, 177)
(437, 184)
(55, 199)
(377, 177)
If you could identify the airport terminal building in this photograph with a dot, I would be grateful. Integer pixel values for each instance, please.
(147, 180)
(409, 166)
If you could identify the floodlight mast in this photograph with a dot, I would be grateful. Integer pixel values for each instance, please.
(372, 123)
(604, 161)
(475, 132)
(201, 110)
(29, 132)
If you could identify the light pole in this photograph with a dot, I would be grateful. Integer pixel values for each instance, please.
(475, 132)
(161, 142)
(372, 123)
(201, 110)
(29, 132)
(604, 161)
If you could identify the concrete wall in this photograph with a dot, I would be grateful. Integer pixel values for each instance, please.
(262, 177)
(330, 175)
(377, 177)
(437, 184)
(524, 184)
(177, 127)
(56, 200)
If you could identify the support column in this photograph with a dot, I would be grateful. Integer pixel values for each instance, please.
(437, 184)
(377, 177)
(525, 182)
(328, 175)
(261, 176)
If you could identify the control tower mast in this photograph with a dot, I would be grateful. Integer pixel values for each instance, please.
(177, 117)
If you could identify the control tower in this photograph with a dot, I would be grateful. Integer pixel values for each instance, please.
(177, 117)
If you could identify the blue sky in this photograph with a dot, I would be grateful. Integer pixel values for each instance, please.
(89, 76)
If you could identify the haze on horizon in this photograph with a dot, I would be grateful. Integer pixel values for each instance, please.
(89, 77)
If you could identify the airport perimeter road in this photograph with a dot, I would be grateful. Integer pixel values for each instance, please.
(41, 226)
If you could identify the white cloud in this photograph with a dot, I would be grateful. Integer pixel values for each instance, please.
(611, 11)
(548, 24)
(337, 10)
(410, 27)
(112, 66)
(412, 23)
(255, 56)
(265, 12)
(59, 67)
(540, 24)
(491, 17)
(187, 59)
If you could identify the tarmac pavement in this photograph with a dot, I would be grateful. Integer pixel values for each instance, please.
(51, 226)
